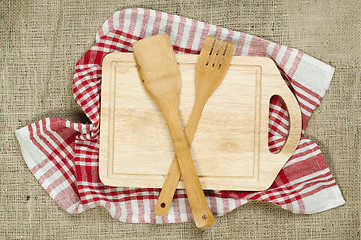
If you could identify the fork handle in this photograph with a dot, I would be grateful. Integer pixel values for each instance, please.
(171, 182)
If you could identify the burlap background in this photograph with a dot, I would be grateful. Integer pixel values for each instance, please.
(40, 43)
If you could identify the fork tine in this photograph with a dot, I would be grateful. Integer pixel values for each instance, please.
(220, 54)
(227, 57)
(214, 52)
(206, 49)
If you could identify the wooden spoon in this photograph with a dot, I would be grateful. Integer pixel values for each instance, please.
(157, 67)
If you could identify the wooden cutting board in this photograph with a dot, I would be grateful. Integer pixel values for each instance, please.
(230, 147)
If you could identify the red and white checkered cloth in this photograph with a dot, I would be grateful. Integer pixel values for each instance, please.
(63, 156)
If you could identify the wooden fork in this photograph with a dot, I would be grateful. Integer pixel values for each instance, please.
(211, 68)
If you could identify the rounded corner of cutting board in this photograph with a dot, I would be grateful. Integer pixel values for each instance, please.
(105, 179)
(108, 58)
(267, 60)
(102, 171)
(263, 186)
(102, 178)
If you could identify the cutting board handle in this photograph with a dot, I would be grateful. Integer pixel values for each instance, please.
(271, 161)
(295, 124)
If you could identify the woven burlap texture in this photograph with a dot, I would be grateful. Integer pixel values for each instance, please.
(40, 43)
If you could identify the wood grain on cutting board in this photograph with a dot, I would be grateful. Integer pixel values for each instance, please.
(230, 147)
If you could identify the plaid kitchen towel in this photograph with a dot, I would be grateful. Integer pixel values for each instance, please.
(63, 156)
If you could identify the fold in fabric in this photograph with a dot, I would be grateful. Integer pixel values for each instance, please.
(63, 156)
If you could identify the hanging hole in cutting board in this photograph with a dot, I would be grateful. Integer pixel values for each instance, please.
(278, 124)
